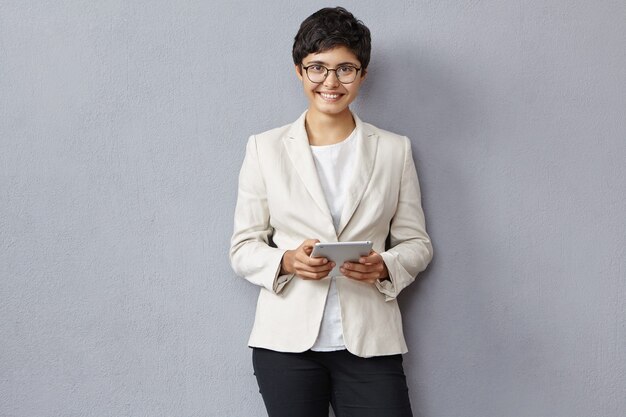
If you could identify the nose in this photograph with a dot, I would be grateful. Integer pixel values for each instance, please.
(331, 79)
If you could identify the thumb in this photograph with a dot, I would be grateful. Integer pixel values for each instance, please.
(308, 244)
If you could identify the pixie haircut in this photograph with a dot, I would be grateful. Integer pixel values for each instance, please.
(329, 28)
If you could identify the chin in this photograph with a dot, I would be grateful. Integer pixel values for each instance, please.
(330, 109)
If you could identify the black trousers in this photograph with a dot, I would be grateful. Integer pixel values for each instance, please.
(304, 384)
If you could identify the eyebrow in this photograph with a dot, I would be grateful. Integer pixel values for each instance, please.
(326, 63)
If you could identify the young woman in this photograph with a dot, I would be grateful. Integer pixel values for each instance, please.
(329, 177)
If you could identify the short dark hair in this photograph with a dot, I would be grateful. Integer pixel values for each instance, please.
(329, 28)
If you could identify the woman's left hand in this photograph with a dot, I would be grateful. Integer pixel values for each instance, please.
(369, 268)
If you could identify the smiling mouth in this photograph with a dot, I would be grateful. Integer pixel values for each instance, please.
(330, 96)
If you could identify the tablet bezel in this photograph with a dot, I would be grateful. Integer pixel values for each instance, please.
(340, 252)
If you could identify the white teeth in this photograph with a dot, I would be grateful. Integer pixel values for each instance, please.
(329, 96)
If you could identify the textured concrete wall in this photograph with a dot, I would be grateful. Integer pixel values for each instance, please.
(122, 128)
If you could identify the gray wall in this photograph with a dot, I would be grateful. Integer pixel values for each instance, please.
(122, 129)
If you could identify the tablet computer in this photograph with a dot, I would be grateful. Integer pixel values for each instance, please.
(340, 252)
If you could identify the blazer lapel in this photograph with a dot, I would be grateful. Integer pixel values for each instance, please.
(367, 144)
(297, 145)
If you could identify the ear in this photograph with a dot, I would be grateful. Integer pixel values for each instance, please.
(363, 75)
(299, 71)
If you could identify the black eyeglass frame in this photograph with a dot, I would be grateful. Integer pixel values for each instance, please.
(328, 70)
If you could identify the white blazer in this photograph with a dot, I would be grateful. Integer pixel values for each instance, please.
(281, 203)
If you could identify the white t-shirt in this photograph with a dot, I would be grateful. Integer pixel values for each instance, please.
(335, 168)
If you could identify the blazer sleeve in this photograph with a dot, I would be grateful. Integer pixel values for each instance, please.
(251, 255)
(410, 248)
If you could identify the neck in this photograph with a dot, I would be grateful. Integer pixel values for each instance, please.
(328, 129)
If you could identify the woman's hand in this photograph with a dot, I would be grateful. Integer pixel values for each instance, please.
(298, 261)
(368, 269)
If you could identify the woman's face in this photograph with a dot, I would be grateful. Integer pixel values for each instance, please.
(330, 97)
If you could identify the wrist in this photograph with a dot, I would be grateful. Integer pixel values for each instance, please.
(286, 262)
(384, 274)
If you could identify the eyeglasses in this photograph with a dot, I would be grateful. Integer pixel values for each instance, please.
(317, 73)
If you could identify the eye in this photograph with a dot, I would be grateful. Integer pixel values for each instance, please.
(346, 70)
(315, 68)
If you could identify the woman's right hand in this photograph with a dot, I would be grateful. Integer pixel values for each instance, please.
(299, 262)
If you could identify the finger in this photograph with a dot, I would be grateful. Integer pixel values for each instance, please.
(369, 273)
(308, 244)
(361, 276)
(372, 258)
(306, 266)
(312, 275)
(363, 268)
(307, 260)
